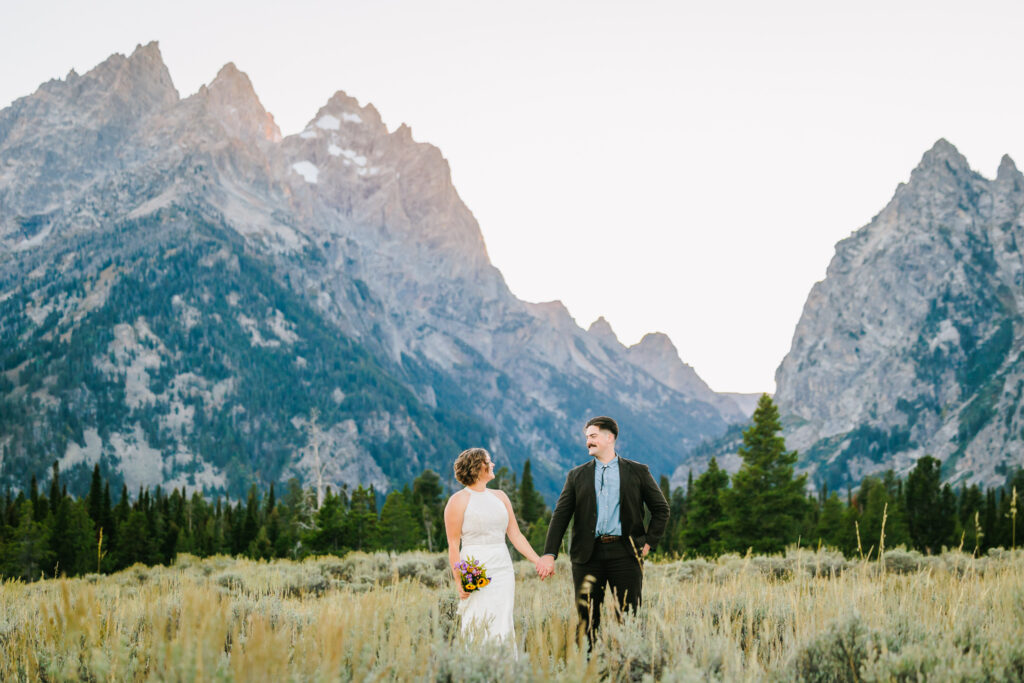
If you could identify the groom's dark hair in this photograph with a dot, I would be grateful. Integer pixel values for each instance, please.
(604, 422)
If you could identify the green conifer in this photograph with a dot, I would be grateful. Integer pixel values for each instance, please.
(766, 504)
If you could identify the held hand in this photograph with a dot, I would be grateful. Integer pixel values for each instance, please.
(545, 566)
(646, 549)
(463, 594)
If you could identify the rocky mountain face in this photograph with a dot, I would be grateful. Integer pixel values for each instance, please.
(187, 298)
(912, 343)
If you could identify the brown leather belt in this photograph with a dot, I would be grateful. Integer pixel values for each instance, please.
(607, 539)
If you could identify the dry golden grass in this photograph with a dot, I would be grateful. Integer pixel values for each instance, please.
(809, 616)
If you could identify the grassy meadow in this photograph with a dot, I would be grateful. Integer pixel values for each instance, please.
(803, 616)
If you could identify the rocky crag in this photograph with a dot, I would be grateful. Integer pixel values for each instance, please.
(912, 344)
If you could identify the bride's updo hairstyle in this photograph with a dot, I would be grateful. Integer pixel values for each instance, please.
(468, 464)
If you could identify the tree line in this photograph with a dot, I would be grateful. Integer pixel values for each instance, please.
(763, 507)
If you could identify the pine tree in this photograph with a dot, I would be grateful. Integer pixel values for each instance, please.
(896, 532)
(261, 548)
(55, 492)
(971, 503)
(361, 522)
(251, 523)
(703, 534)
(929, 520)
(990, 521)
(398, 527)
(134, 543)
(39, 505)
(672, 541)
(428, 495)
(329, 534)
(531, 504)
(28, 554)
(5, 507)
(829, 529)
(766, 504)
(79, 549)
(95, 496)
(876, 502)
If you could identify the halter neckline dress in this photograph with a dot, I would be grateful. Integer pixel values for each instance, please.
(487, 612)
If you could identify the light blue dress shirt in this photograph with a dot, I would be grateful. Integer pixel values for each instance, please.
(606, 485)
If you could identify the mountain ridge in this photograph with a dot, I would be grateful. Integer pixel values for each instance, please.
(350, 231)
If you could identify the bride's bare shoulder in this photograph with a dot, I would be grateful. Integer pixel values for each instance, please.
(459, 499)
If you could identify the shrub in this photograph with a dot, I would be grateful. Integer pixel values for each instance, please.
(839, 653)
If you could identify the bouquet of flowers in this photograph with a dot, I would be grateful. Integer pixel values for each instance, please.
(472, 574)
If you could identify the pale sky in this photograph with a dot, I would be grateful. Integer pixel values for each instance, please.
(683, 167)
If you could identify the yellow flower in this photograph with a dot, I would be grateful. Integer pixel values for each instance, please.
(483, 582)
(470, 586)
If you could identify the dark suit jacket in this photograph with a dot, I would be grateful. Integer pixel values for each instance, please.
(579, 502)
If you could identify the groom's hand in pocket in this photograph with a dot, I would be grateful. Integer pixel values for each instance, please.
(545, 566)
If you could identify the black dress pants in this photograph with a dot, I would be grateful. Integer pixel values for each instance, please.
(612, 565)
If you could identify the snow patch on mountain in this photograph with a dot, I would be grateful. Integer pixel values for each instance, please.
(307, 170)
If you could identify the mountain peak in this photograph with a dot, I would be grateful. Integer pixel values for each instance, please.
(1008, 171)
(149, 52)
(602, 329)
(658, 357)
(345, 110)
(234, 100)
(657, 343)
(229, 72)
(142, 79)
(943, 156)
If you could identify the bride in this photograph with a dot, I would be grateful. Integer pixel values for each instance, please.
(481, 518)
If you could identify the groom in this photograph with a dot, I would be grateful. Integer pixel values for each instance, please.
(605, 499)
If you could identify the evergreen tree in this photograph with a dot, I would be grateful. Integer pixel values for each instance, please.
(261, 548)
(55, 491)
(672, 542)
(361, 521)
(5, 506)
(929, 521)
(875, 501)
(538, 532)
(766, 504)
(990, 521)
(106, 521)
(398, 527)
(531, 504)
(251, 522)
(77, 553)
(328, 536)
(703, 534)
(134, 542)
(428, 494)
(273, 528)
(829, 529)
(123, 505)
(896, 533)
(95, 497)
(28, 554)
(39, 505)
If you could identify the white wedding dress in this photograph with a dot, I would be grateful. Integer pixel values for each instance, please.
(487, 612)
